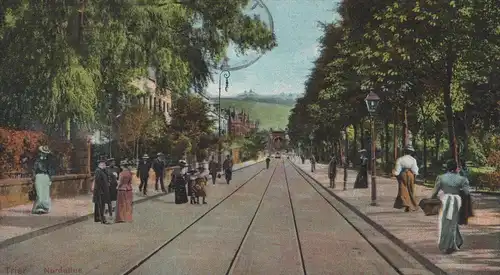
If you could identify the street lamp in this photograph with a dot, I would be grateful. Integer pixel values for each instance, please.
(372, 101)
(224, 72)
(346, 160)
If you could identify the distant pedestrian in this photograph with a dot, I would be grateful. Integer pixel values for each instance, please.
(449, 237)
(362, 177)
(100, 190)
(213, 169)
(42, 180)
(159, 169)
(313, 163)
(228, 168)
(112, 170)
(143, 174)
(332, 170)
(303, 159)
(268, 160)
(406, 170)
(125, 195)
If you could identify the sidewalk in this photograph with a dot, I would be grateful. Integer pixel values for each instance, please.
(481, 251)
(17, 224)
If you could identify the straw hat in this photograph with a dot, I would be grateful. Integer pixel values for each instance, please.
(44, 149)
(145, 156)
(182, 163)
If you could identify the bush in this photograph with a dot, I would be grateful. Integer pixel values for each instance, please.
(490, 180)
(18, 144)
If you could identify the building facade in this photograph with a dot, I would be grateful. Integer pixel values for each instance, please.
(240, 124)
(214, 115)
(153, 98)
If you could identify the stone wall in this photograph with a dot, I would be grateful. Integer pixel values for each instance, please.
(14, 192)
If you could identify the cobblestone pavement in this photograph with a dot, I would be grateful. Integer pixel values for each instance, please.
(94, 248)
(481, 251)
(17, 221)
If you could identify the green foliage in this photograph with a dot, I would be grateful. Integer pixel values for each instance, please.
(74, 60)
(429, 58)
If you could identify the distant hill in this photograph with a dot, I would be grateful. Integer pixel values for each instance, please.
(270, 114)
(282, 98)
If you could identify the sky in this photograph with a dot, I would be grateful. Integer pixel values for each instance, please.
(286, 67)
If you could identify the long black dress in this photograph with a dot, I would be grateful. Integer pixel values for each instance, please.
(179, 182)
(362, 177)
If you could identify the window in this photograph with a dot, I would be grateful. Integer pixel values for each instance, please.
(164, 109)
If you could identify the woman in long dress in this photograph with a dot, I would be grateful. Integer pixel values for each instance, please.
(362, 177)
(451, 183)
(125, 196)
(42, 174)
(406, 170)
(179, 181)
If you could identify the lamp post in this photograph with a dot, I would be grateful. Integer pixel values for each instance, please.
(346, 159)
(372, 100)
(226, 75)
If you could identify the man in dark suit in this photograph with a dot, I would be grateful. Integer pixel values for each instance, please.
(143, 173)
(159, 168)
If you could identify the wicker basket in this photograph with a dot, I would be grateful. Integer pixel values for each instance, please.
(430, 206)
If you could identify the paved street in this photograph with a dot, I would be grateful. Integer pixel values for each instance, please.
(18, 222)
(481, 251)
(275, 223)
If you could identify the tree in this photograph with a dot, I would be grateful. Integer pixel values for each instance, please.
(132, 127)
(72, 61)
(190, 119)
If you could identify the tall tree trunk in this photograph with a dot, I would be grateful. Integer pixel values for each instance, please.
(448, 104)
(354, 145)
(438, 141)
(362, 135)
(395, 136)
(466, 136)
(386, 145)
(405, 125)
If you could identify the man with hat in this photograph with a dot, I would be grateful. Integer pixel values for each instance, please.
(143, 173)
(100, 190)
(332, 170)
(406, 170)
(113, 171)
(159, 168)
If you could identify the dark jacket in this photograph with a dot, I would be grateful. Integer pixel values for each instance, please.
(143, 169)
(158, 166)
(101, 186)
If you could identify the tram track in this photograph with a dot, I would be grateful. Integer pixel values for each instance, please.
(191, 225)
(314, 186)
(238, 250)
(251, 261)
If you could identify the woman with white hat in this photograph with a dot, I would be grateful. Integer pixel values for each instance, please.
(42, 173)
